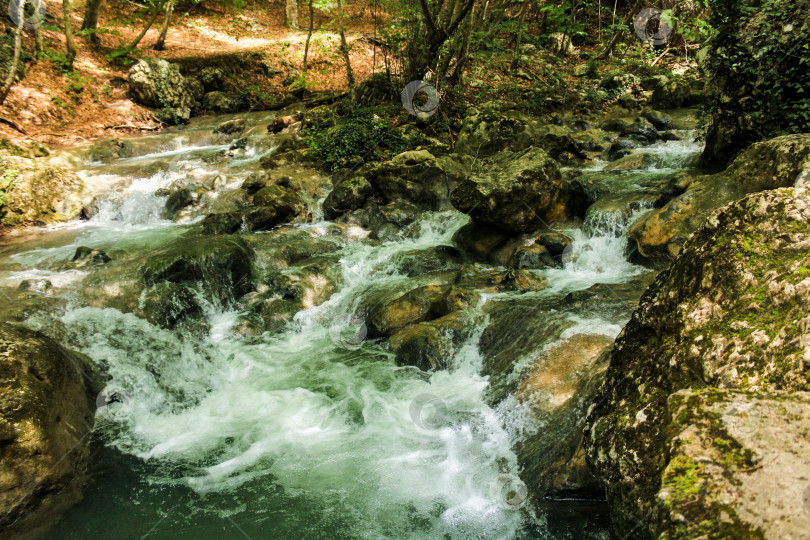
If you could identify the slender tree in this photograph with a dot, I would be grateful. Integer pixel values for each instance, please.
(160, 44)
(156, 11)
(291, 14)
(15, 59)
(70, 46)
(344, 47)
(309, 35)
(90, 21)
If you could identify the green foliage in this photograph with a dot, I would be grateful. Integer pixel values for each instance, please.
(357, 133)
(758, 62)
(7, 179)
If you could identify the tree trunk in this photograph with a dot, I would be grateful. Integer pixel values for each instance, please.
(608, 50)
(519, 40)
(291, 14)
(90, 21)
(344, 47)
(146, 28)
(464, 52)
(38, 46)
(309, 35)
(70, 46)
(15, 60)
(159, 44)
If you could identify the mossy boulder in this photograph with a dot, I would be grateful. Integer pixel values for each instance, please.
(46, 416)
(519, 193)
(35, 193)
(731, 314)
(492, 130)
(780, 162)
(221, 264)
(349, 194)
(109, 150)
(156, 83)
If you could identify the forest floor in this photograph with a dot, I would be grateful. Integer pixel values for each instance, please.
(91, 102)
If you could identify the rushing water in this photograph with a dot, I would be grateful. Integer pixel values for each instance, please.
(311, 432)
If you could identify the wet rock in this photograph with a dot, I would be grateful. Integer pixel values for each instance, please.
(222, 223)
(178, 199)
(286, 203)
(621, 147)
(525, 281)
(659, 235)
(591, 140)
(718, 339)
(554, 242)
(261, 219)
(109, 150)
(166, 304)
(422, 346)
(491, 131)
(46, 415)
(222, 263)
(280, 123)
(519, 193)
(157, 83)
(255, 181)
(232, 127)
(616, 124)
(221, 102)
(40, 194)
(416, 176)
(40, 286)
(561, 382)
(285, 246)
(349, 194)
(641, 130)
(635, 161)
(661, 121)
(417, 262)
(86, 256)
(387, 232)
(557, 142)
(212, 79)
(400, 213)
(532, 257)
(486, 243)
(418, 305)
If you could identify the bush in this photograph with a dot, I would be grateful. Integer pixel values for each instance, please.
(757, 67)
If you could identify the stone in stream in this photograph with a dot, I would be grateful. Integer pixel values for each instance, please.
(520, 193)
(700, 429)
(637, 160)
(86, 256)
(223, 264)
(557, 142)
(109, 150)
(554, 242)
(349, 194)
(232, 127)
(642, 131)
(420, 304)
(621, 147)
(491, 130)
(46, 415)
(222, 223)
(41, 286)
(178, 199)
(39, 194)
(658, 236)
(659, 120)
(534, 256)
(486, 243)
(166, 304)
(255, 181)
(221, 102)
(285, 202)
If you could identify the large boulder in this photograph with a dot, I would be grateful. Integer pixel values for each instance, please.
(676, 92)
(46, 415)
(780, 162)
(696, 430)
(416, 176)
(35, 193)
(157, 83)
(519, 193)
(490, 131)
(223, 264)
(349, 194)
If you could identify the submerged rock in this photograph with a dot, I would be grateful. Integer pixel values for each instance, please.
(46, 415)
(719, 339)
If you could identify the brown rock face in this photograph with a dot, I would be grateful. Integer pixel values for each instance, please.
(720, 340)
(46, 415)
